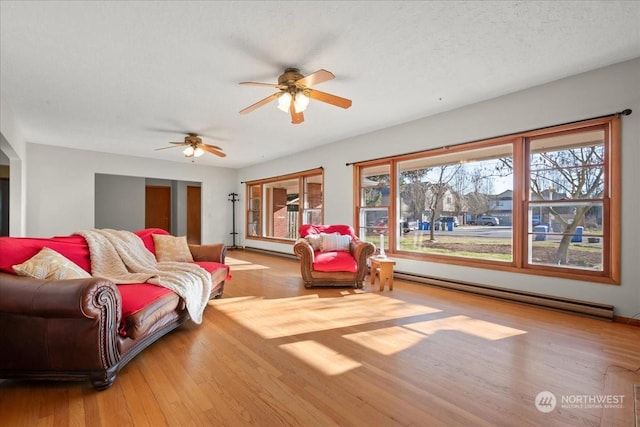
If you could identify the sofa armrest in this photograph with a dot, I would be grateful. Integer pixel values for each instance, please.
(213, 252)
(361, 251)
(303, 250)
(49, 325)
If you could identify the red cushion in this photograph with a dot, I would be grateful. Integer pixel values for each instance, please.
(335, 261)
(308, 229)
(16, 250)
(138, 295)
(211, 266)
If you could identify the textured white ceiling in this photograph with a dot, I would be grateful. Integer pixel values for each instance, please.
(128, 77)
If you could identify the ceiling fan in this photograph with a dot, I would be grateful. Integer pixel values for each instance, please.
(195, 147)
(295, 91)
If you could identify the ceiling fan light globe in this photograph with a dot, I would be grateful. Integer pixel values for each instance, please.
(284, 101)
(301, 102)
(198, 152)
(189, 151)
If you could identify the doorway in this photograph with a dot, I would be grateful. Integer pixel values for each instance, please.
(194, 214)
(4, 194)
(157, 213)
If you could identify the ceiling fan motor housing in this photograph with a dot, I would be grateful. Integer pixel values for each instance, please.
(193, 140)
(289, 77)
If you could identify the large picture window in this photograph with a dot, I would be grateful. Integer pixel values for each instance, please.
(466, 192)
(276, 207)
(541, 202)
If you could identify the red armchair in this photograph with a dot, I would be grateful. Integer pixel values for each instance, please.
(332, 255)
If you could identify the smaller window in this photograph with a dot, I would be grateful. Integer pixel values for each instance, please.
(276, 207)
(373, 204)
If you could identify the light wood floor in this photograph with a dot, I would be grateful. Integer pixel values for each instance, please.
(272, 353)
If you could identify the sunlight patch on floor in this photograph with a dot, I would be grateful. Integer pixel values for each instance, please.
(239, 265)
(281, 317)
(467, 325)
(387, 341)
(322, 358)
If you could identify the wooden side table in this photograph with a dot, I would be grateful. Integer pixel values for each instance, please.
(383, 268)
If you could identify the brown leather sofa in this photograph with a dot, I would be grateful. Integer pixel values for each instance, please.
(75, 329)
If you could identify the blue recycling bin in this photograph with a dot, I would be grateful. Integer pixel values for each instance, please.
(541, 230)
(577, 236)
(424, 225)
(450, 226)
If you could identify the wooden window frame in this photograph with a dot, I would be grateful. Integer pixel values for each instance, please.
(261, 214)
(611, 270)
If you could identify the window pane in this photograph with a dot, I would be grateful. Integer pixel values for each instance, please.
(313, 197)
(568, 166)
(570, 235)
(282, 208)
(254, 222)
(375, 191)
(458, 204)
(373, 223)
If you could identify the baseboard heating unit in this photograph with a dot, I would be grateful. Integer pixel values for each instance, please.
(584, 308)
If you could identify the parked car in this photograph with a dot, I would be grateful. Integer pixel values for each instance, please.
(487, 220)
(381, 226)
(448, 219)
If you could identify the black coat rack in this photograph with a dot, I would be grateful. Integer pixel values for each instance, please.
(233, 199)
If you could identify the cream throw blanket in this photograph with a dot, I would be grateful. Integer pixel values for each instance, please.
(120, 256)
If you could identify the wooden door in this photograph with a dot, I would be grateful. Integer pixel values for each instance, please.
(157, 213)
(194, 215)
(4, 206)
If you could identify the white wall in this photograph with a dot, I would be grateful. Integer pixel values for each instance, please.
(14, 146)
(587, 95)
(119, 202)
(61, 188)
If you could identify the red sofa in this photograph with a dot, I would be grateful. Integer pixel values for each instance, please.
(89, 328)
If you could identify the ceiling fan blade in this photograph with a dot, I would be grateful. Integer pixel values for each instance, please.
(315, 78)
(211, 146)
(259, 84)
(329, 99)
(171, 146)
(213, 150)
(296, 118)
(260, 103)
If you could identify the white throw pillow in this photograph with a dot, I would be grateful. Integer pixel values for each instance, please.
(335, 242)
(315, 241)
